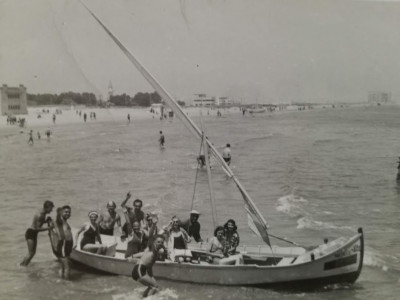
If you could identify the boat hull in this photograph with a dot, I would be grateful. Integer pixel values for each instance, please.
(342, 265)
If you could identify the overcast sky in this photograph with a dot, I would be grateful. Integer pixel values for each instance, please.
(258, 51)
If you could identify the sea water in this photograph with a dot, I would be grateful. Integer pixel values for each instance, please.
(313, 174)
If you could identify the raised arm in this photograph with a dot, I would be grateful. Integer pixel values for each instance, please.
(128, 196)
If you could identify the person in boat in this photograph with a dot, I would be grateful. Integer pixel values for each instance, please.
(177, 242)
(136, 241)
(151, 228)
(32, 232)
(64, 240)
(132, 215)
(107, 220)
(143, 271)
(226, 154)
(216, 245)
(232, 240)
(161, 139)
(90, 235)
(192, 226)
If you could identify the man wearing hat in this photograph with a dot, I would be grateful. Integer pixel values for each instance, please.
(192, 226)
(108, 219)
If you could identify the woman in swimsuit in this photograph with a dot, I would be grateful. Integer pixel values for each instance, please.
(177, 242)
(90, 235)
(216, 244)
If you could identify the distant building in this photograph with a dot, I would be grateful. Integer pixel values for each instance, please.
(203, 100)
(13, 100)
(224, 101)
(379, 97)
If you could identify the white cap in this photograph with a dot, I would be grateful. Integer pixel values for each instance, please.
(194, 212)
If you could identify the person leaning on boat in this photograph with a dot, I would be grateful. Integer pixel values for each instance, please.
(32, 232)
(90, 235)
(177, 239)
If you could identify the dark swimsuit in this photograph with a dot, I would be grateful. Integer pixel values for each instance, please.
(106, 231)
(139, 271)
(31, 234)
(179, 242)
(89, 237)
(64, 247)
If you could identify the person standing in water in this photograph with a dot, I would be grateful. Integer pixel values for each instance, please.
(143, 271)
(226, 154)
(129, 119)
(32, 232)
(65, 241)
(161, 139)
(30, 141)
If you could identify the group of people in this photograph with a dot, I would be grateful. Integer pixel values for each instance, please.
(60, 235)
(145, 241)
(30, 136)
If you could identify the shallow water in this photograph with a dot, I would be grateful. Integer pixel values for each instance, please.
(313, 174)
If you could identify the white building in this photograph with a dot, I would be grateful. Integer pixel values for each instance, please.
(224, 101)
(203, 100)
(13, 100)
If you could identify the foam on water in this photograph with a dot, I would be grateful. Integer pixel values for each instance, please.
(164, 294)
(292, 205)
(309, 223)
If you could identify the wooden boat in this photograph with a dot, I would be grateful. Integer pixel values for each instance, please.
(337, 261)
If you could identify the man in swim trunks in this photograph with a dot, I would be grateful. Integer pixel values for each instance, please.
(143, 271)
(108, 219)
(31, 233)
(65, 240)
(226, 154)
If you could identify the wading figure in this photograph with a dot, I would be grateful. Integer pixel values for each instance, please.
(36, 227)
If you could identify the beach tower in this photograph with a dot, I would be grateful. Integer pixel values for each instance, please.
(13, 100)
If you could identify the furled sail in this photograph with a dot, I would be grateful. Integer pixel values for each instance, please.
(258, 225)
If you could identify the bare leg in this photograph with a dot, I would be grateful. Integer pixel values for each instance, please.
(65, 267)
(31, 252)
(151, 284)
